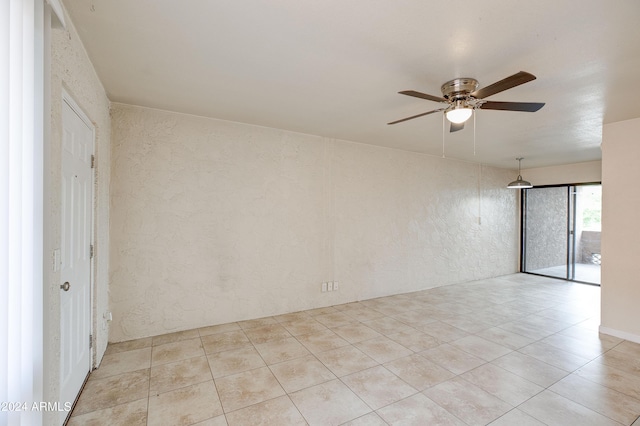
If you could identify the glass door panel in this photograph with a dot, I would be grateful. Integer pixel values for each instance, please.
(546, 227)
(588, 207)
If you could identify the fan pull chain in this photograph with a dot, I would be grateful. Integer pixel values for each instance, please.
(443, 126)
(474, 132)
(479, 193)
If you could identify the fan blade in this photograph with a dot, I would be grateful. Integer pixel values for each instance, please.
(416, 116)
(455, 127)
(502, 85)
(513, 106)
(422, 96)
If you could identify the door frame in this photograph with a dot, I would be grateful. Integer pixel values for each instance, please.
(70, 101)
(571, 238)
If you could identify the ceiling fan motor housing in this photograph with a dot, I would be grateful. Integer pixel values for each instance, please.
(459, 88)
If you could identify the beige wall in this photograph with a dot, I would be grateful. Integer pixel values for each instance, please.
(620, 242)
(72, 70)
(213, 221)
(590, 171)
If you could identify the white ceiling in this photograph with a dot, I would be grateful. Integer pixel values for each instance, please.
(334, 67)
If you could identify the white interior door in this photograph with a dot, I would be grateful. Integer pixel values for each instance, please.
(75, 260)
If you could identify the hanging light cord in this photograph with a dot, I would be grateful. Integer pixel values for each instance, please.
(519, 162)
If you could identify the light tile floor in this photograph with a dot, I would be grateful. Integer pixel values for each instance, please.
(584, 272)
(518, 349)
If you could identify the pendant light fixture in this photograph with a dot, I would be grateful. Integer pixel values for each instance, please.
(519, 183)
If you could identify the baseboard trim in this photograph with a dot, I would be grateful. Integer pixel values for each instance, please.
(621, 334)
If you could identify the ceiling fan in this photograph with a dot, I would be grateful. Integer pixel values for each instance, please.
(462, 96)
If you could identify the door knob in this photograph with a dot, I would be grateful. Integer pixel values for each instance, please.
(65, 286)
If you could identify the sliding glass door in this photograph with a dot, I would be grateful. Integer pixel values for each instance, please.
(561, 231)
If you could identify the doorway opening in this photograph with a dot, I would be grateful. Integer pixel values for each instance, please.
(561, 227)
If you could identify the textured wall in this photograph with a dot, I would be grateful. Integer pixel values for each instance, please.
(405, 221)
(72, 70)
(546, 233)
(213, 221)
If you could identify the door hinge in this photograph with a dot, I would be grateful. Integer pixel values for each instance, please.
(91, 251)
(93, 161)
(90, 341)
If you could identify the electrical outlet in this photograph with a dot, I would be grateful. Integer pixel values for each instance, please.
(324, 287)
(335, 286)
(329, 286)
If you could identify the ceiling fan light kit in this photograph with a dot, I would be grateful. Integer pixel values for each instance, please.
(458, 115)
(519, 183)
(456, 91)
